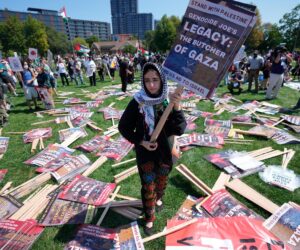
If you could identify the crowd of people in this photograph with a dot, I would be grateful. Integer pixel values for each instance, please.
(268, 72)
(263, 72)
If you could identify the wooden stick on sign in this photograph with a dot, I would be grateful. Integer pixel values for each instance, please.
(108, 206)
(170, 230)
(164, 117)
(34, 145)
(252, 195)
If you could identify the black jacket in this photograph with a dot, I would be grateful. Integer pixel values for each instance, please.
(132, 126)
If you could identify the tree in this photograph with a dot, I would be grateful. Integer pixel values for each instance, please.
(35, 35)
(165, 34)
(128, 48)
(289, 26)
(92, 39)
(272, 37)
(58, 42)
(256, 35)
(12, 35)
(149, 40)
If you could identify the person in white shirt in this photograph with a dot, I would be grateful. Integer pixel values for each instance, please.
(61, 68)
(91, 71)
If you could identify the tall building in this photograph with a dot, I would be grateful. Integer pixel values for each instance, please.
(73, 28)
(127, 20)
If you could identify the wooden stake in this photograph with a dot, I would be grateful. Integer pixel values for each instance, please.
(194, 179)
(221, 181)
(71, 139)
(125, 174)
(34, 145)
(112, 104)
(252, 195)
(93, 126)
(275, 124)
(260, 151)
(245, 123)
(271, 155)
(69, 123)
(288, 159)
(43, 122)
(284, 156)
(164, 117)
(170, 230)
(126, 197)
(123, 162)
(6, 187)
(99, 162)
(108, 206)
(15, 133)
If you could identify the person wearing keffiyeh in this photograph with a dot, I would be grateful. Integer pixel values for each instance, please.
(154, 159)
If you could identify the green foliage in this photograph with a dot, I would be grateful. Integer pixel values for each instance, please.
(272, 37)
(165, 33)
(12, 35)
(58, 42)
(79, 40)
(35, 34)
(92, 39)
(128, 48)
(149, 40)
(289, 26)
(256, 35)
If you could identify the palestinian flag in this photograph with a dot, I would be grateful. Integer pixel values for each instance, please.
(143, 52)
(81, 48)
(63, 13)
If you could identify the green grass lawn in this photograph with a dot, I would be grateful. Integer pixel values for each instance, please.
(20, 119)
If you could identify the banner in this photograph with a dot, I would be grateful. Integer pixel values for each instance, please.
(211, 35)
(15, 64)
(223, 233)
(32, 53)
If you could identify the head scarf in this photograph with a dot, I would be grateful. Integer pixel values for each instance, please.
(146, 100)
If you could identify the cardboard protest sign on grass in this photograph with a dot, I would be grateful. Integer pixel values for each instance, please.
(19, 235)
(285, 224)
(66, 133)
(188, 211)
(2, 174)
(8, 205)
(76, 164)
(93, 237)
(33, 134)
(3, 144)
(50, 153)
(96, 144)
(211, 34)
(60, 212)
(86, 190)
(223, 233)
(223, 204)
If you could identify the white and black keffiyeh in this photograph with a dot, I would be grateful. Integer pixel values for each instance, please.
(147, 102)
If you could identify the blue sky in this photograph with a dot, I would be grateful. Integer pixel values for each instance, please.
(99, 10)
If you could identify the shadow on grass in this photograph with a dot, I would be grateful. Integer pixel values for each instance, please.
(187, 187)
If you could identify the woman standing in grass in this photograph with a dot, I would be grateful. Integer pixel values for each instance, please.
(154, 159)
